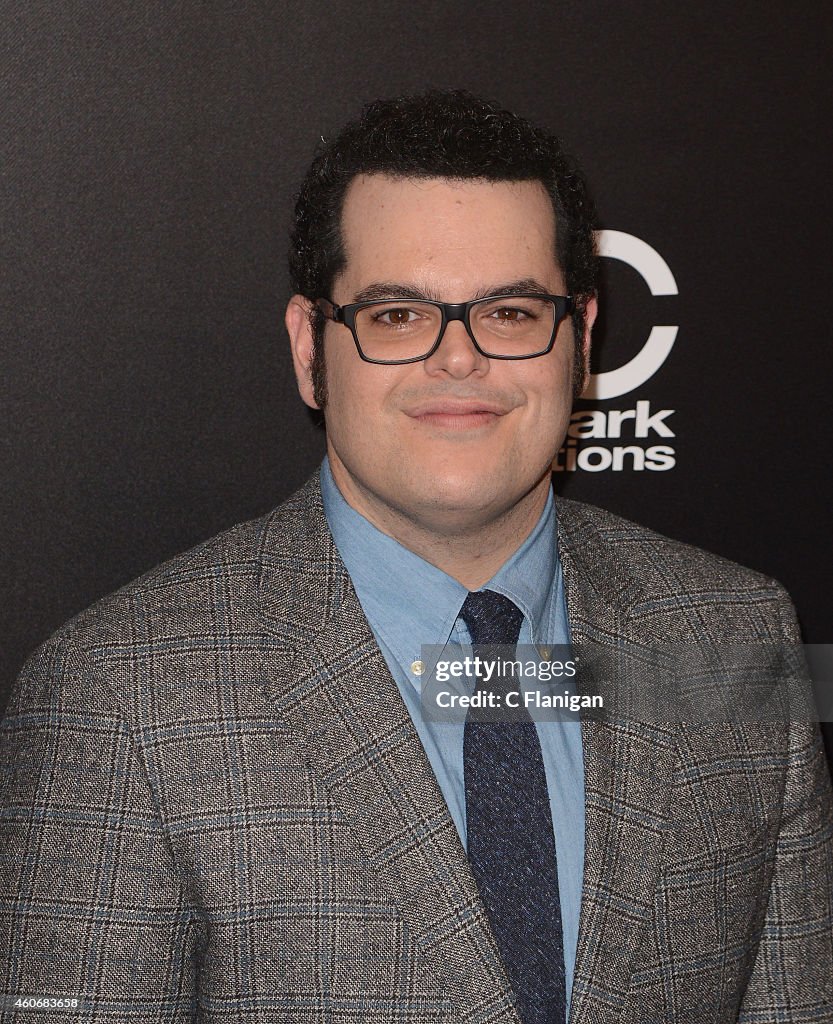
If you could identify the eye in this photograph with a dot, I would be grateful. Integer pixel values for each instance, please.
(511, 314)
(396, 316)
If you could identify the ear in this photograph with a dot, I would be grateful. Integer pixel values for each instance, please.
(591, 309)
(298, 327)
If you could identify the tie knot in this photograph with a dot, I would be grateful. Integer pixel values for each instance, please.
(491, 618)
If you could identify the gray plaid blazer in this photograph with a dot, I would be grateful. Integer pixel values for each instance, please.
(216, 808)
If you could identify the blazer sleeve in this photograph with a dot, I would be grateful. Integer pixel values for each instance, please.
(792, 978)
(92, 906)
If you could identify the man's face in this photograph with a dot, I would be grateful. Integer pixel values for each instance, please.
(452, 443)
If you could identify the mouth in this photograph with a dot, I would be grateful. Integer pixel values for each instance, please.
(457, 414)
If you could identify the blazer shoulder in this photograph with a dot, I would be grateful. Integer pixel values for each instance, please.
(184, 592)
(182, 584)
(661, 574)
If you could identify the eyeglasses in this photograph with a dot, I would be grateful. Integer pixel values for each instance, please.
(402, 330)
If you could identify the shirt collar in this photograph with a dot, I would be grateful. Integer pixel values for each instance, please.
(527, 577)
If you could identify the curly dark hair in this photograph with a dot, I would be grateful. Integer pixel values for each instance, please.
(438, 134)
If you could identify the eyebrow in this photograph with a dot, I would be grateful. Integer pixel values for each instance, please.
(398, 290)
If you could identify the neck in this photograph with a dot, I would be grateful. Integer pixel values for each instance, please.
(470, 548)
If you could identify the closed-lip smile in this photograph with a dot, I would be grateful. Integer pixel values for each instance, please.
(457, 413)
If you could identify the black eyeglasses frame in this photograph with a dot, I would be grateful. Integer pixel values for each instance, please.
(346, 315)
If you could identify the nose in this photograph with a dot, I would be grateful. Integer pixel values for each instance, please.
(456, 355)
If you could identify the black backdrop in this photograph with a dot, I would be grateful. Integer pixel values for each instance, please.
(149, 157)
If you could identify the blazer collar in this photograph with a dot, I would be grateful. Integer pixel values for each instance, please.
(335, 689)
(302, 583)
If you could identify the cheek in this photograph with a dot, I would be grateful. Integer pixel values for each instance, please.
(548, 408)
(549, 387)
(358, 397)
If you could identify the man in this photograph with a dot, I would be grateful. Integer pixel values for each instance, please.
(223, 801)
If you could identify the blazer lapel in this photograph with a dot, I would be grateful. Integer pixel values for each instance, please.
(628, 767)
(362, 745)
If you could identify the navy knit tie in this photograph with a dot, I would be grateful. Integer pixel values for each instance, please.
(511, 846)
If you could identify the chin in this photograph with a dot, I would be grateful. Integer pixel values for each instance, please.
(466, 498)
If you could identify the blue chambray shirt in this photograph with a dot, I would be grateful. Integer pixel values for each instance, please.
(408, 602)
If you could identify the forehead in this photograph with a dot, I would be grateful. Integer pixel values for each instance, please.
(446, 233)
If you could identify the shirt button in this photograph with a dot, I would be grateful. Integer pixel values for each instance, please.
(417, 667)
